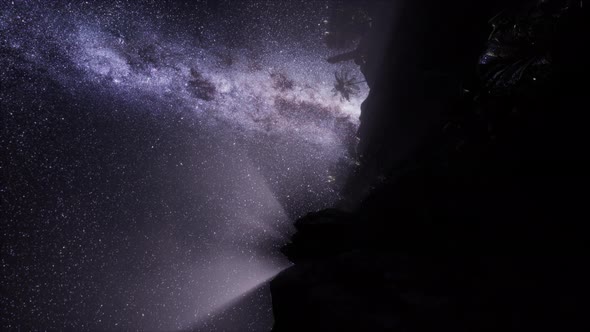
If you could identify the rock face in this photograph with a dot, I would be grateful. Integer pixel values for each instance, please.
(475, 214)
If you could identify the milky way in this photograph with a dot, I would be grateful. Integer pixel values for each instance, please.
(156, 153)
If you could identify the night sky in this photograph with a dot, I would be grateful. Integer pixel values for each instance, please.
(154, 154)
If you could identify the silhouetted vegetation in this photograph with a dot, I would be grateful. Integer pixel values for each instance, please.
(345, 84)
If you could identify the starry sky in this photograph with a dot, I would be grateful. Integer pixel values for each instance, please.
(154, 155)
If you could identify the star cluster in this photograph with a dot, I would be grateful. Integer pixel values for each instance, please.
(155, 154)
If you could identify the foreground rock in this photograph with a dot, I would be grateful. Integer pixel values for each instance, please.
(475, 217)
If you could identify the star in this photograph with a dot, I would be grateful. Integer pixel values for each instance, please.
(157, 154)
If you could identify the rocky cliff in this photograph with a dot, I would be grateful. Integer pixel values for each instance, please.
(468, 212)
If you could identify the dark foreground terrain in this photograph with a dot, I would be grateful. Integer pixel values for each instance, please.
(469, 210)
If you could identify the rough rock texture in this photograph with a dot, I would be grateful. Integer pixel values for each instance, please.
(475, 217)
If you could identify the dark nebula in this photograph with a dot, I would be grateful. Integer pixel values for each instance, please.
(155, 153)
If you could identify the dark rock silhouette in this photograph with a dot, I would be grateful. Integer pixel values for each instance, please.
(468, 211)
